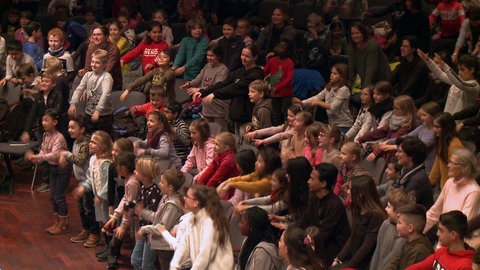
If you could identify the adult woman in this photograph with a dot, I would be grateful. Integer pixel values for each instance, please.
(365, 56)
(235, 88)
(446, 141)
(297, 248)
(206, 241)
(98, 40)
(461, 189)
(277, 30)
(258, 250)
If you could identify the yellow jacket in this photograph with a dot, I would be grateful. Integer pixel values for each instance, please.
(439, 170)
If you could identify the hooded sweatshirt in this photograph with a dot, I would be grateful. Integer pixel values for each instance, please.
(262, 114)
(265, 256)
(445, 259)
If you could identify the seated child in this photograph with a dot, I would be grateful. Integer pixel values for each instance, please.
(312, 151)
(203, 148)
(410, 223)
(158, 97)
(181, 138)
(30, 81)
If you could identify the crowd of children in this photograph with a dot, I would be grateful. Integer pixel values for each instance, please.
(352, 177)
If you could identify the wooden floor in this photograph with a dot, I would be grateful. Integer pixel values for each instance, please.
(24, 244)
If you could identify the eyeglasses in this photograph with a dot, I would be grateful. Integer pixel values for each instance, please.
(454, 163)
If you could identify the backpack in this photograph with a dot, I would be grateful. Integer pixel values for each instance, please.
(124, 124)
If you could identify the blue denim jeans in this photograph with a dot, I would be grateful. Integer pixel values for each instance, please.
(143, 258)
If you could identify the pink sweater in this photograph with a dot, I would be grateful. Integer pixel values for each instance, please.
(200, 157)
(455, 195)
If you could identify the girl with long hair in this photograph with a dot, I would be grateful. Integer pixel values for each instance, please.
(298, 249)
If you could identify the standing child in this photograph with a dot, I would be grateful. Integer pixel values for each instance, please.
(258, 93)
(159, 142)
(334, 98)
(96, 85)
(56, 42)
(149, 48)
(32, 46)
(146, 169)
(168, 214)
(181, 138)
(364, 120)
(410, 224)
(312, 151)
(203, 148)
(52, 144)
(54, 65)
(161, 76)
(15, 57)
(100, 147)
(190, 58)
(280, 70)
(223, 164)
(389, 244)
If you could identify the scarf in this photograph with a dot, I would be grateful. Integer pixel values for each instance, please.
(56, 53)
(378, 109)
(404, 178)
(396, 122)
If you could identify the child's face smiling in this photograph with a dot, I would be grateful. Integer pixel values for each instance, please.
(155, 34)
(97, 64)
(75, 130)
(46, 84)
(54, 42)
(228, 31)
(163, 60)
(153, 124)
(196, 32)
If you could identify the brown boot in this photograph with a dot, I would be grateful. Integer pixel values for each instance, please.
(62, 227)
(93, 240)
(81, 237)
(56, 220)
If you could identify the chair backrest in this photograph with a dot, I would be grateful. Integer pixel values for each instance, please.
(376, 169)
(134, 98)
(188, 179)
(214, 128)
(181, 95)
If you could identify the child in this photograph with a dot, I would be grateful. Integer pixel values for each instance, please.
(364, 120)
(334, 98)
(262, 111)
(316, 53)
(454, 253)
(15, 57)
(96, 85)
(32, 46)
(168, 214)
(242, 30)
(245, 160)
(161, 17)
(146, 169)
(30, 81)
(162, 76)
(401, 122)
(273, 203)
(382, 107)
(79, 157)
(330, 138)
(297, 251)
(389, 244)
(181, 138)
(312, 151)
(367, 216)
(410, 224)
(231, 45)
(122, 217)
(280, 70)
(213, 72)
(56, 42)
(158, 97)
(127, 30)
(464, 86)
(53, 143)
(350, 159)
(100, 147)
(282, 133)
(258, 182)
(13, 22)
(451, 15)
(20, 34)
(149, 48)
(302, 120)
(223, 164)
(190, 58)
(54, 65)
(90, 21)
(203, 148)
(159, 142)
(392, 172)
(115, 36)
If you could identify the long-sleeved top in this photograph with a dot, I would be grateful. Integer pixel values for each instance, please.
(262, 114)
(35, 51)
(168, 214)
(200, 243)
(132, 192)
(445, 259)
(148, 51)
(12, 65)
(383, 132)
(222, 167)
(66, 59)
(462, 94)
(411, 253)
(236, 89)
(79, 157)
(362, 125)
(191, 55)
(439, 172)
(415, 180)
(370, 63)
(339, 112)
(314, 156)
(200, 157)
(467, 30)
(277, 134)
(97, 181)
(52, 143)
(99, 90)
(232, 49)
(458, 194)
(281, 76)
(451, 17)
(181, 138)
(165, 151)
(210, 75)
(146, 108)
(165, 79)
(174, 241)
(389, 245)
(53, 100)
(251, 183)
(409, 77)
(264, 256)
(123, 46)
(113, 62)
(23, 37)
(266, 204)
(270, 36)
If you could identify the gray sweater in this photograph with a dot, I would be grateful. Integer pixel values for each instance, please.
(389, 245)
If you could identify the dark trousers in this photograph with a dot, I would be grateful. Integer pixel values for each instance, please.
(105, 123)
(87, 212)
(164, 257)
(59, 181)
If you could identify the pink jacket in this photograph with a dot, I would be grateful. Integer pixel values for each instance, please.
(200, 157)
